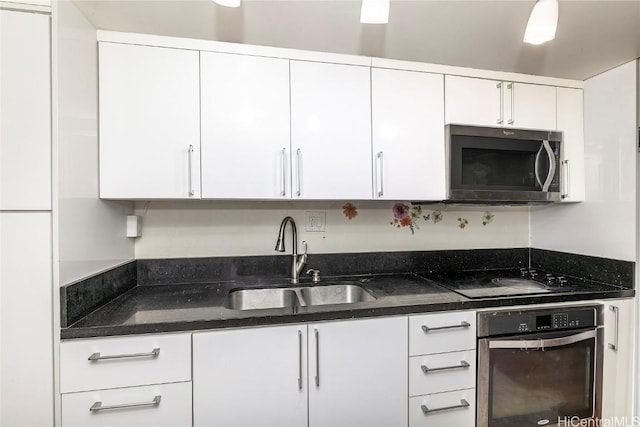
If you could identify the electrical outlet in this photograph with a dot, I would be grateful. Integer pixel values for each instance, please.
(315, 221)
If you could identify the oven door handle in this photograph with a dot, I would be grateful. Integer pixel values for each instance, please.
(541, 344)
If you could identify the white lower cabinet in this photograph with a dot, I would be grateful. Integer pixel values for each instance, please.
(156, 405)
(618, 366)
(358, 373)
(127, 381)
(250, 377)
(442, 369)
(431, 410)
(356, 376)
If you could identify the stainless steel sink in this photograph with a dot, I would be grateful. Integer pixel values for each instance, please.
(254, 299)
(335, 294)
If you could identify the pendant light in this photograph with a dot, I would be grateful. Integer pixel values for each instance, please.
(228, 3)
(543, 21)
(374, 12)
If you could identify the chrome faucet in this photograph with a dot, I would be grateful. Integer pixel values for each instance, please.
(298, 262)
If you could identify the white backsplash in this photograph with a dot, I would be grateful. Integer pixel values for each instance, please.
(202, 229)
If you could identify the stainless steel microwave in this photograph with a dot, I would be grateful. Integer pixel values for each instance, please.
(503, 165)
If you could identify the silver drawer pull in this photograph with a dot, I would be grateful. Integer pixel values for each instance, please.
(463, 364)
(427, 411)
(153, 353)
(98, 405)
(462, 324)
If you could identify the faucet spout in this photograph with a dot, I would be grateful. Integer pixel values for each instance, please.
(298, 262)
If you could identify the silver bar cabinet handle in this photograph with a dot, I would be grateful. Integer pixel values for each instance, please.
(462, 324)
(567, 186)
(427, 411)
(300, 360)
(381, 173)
(97, 356)
(191, 190)
(97, 406)
(616, 312)
(501, 118)
(512, 89)
(463, 364)
(317, 358)
(284, 172)
(298, 180)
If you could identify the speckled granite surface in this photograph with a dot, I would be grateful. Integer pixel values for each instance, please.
(149, 296)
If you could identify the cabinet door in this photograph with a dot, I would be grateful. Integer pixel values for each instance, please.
(408, 135)
(571, 123)
(330, 131)
(245, 127)
(251, 377)
(530, 106)
(472, 101)
(149, 122)
(26, 347)
(25, 111)
(358, 373)
(619, 344)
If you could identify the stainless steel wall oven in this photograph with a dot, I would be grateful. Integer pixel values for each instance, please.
(540, 367)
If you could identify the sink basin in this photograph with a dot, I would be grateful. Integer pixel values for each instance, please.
(335, 294)
(253, 299)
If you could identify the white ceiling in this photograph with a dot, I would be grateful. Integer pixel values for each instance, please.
(593, 35)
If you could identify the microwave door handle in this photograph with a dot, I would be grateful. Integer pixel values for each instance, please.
(536, 166)
(552, 165)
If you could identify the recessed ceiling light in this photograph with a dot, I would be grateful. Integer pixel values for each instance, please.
(228, 3)
(543, 22)
(374, 12)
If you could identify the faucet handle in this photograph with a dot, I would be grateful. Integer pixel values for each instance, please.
(315, 275)
(304, 247)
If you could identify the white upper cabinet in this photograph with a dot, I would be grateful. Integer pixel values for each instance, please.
(149, 122)
(330, 131)
(245, 122)
(408, 135)
(482, 102)
(571, 123)
(25, 111)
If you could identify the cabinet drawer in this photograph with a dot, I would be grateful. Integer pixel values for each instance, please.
(442, 332)
(436, 416)
(133, 406)
(437, 373)
(124, 361)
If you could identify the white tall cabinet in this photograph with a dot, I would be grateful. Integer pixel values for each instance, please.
(330, 131)
(571, 123)
(407, 110)
(246, 144)
(26, 341)
(149, 122)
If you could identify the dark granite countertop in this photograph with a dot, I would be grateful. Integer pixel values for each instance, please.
(196, 306)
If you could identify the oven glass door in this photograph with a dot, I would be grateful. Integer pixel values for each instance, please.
(490, 164)
(540, 380)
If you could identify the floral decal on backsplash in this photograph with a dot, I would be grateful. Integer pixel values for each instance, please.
(350, 210)
(462, 222)
(487, 218)
(405, 216)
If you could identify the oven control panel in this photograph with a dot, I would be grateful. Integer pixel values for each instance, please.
(528, 321)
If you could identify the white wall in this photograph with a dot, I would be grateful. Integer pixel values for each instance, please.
(90, 232)
(201, 229)
(605, 224)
